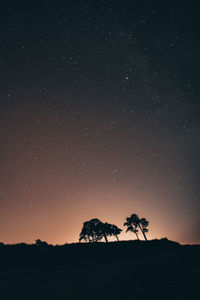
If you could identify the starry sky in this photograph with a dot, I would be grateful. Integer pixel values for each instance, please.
(99, 117)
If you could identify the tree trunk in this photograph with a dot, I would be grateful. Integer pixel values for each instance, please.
(137, 236)
(117, 238)
(143, 233)
(106, 238)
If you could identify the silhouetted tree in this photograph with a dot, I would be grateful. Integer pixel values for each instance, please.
(85, 232)
(115, 231)
(94, 230)
(133, 229)
(133, 222)
(104, 230)
(91, 231)
(143, 226)
(40, 243)
(136, 232)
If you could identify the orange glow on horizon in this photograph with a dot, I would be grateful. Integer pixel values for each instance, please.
(62, 223)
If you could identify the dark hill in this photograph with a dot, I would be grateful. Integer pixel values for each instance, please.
(158, 269)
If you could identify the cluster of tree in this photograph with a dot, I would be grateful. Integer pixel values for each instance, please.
(133, 222)
(95, 230)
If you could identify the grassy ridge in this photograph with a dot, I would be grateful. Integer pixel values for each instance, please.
(158, 269)
(24, 254)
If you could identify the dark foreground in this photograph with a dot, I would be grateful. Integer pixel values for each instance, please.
(124, 270)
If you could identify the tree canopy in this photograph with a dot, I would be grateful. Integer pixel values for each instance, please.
(133, 222)
(95, 230)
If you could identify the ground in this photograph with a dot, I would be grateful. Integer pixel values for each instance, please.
(125, 270)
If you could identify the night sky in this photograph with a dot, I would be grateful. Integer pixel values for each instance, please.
(99, 117)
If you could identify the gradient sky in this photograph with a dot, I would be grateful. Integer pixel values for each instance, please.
(99, 117)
